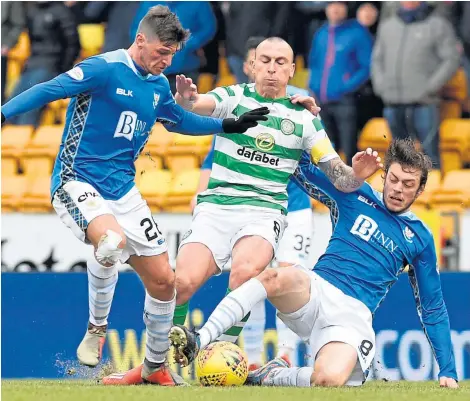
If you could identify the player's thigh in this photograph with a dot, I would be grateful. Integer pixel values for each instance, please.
(195, 264)
(287, 288)
(156, 274)
(143, 234)
(294, 247)
(254, 245)
(85, 212)
(334, 364)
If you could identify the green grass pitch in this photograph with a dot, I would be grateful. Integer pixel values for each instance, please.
(87, 390)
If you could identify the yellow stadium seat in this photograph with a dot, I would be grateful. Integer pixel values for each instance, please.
(91, 39)
(13, 189)
(21, 51)
(182, 190)
(9, 167)
(376, 135)
(456, 87)
(454, 142)
(34, 167)
(433, 184)
(145, 164)
(14, 139)
(37, 198)
(45, 142)
(205, 82)
(318, 207)
(452, 197)
(188, 144)
(159, 141)
(177, 164)
(225, 76)
(450, 109)
(154, 187)
(14, 68)
(47, 117)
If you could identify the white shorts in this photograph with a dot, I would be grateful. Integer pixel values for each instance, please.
(78, 203)
(329, 316)
(295, 243)
(220, 228)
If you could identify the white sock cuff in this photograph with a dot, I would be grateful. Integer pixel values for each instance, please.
(153, 305)
(99, 271)
(253, 293)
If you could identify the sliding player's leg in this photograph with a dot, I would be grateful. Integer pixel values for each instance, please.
(341, 337)
(287, 288)
(89, 216)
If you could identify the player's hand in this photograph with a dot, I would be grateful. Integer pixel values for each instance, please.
(245, 121)
(448, 382)
(308, 102)
(186, 88)
(366, 163)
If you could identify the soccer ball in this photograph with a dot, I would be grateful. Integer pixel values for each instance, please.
(221, 364)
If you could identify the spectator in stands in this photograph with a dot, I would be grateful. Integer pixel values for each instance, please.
(118, 16)
(248, 19)
(368, 104)
(415, 54)
(13, 23)
(339, 64)
(198, 17)
(55, 45)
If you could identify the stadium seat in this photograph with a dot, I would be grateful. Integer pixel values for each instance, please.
(456, 87)
(433, 184)
(453, 196)
(454, 143)
(182, 190)
(34, 167)
(154, 187)
(205, 82)
(14, 68)
(159, 141)
(14, 139)
(21, 51)
(318, 207)
(225, 76)
(177, 164)
(13, 189)
(9, 167)
(450, 109)
(37, 198)
(45, 142)
(376, 135)
(145, 164)
(188, 144)
(91, 39)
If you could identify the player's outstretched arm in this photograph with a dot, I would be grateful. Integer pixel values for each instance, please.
(189, 99)
(87, 76)
(350, 179)
(426, 283)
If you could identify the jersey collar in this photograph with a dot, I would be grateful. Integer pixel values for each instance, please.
(131, 65)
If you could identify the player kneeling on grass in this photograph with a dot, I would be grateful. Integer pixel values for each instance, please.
(375, 237)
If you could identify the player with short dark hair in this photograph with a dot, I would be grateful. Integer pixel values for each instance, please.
(375, 236)
(116, 99)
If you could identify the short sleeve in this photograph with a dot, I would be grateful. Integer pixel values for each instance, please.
(316, 141)
(226, 100)
(88, 76)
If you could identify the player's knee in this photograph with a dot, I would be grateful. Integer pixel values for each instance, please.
(328, 379)
(162, 283)
(241, 274)
(110, 248)
(271, 282)
(185, 288)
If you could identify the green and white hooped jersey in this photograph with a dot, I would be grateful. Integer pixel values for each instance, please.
(252, 170)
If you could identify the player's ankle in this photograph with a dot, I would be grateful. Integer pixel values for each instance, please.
(96, 329)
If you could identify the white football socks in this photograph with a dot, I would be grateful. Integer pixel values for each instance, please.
(231, 310)
(289, 377)
(253, 333)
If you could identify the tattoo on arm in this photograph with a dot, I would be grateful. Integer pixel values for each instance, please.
(340, 175)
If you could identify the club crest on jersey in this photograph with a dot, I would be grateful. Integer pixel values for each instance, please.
(76, 73)
(408, 234)
(156, 98)
(287, 126)
(265, 142)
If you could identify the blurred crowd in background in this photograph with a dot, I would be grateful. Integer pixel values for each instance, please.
(360, 60)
